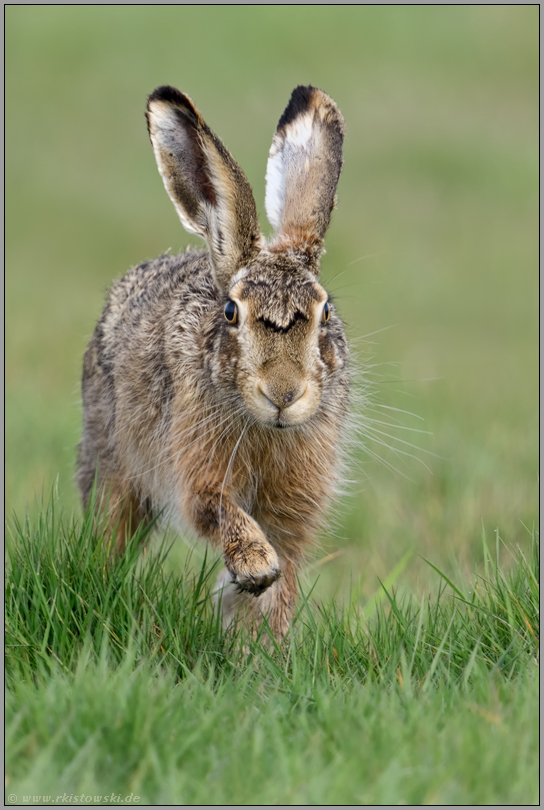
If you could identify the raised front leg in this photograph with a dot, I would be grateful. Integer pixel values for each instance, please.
(250, 559)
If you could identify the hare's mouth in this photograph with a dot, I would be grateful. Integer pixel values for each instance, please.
(282, 424)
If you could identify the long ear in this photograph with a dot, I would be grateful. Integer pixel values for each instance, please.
(209, 190)
(303, 169)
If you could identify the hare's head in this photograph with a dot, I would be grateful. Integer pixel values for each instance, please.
(278, 342)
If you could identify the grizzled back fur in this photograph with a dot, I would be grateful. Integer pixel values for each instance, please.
(215, 386)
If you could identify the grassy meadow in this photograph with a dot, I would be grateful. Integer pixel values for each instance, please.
(402, 682)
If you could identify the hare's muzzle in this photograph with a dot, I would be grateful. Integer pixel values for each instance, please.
(282, 397)
(284, 402)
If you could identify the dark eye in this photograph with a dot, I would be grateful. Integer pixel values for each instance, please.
(326, 313)
(231, 312)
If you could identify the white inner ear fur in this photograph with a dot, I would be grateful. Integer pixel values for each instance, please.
(296, 141)
(161, 115)
(299, 131)
(222, 216)
(275, 183)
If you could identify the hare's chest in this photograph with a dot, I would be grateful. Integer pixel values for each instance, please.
(286, 482)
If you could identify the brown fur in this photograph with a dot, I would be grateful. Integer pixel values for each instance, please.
(233, 430)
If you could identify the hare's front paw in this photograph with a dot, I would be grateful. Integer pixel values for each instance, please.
(253, 564)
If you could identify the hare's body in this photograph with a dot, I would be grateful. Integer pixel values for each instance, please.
(215, 386)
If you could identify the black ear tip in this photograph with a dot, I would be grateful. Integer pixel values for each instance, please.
(298, 104)
(170, 95)
(302, 94)
(166, 93)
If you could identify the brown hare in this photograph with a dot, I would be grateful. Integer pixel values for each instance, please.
(216, 383)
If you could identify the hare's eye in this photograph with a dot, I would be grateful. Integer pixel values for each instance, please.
(326, 313)
(231, 312)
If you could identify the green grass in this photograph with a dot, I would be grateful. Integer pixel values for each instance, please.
(432, 257)
(122, 680)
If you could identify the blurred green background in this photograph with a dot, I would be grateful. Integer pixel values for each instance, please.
(434, 242)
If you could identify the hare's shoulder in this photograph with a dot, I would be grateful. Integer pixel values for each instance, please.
(148, 284)
(141, 305)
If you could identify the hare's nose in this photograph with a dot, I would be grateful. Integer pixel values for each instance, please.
(281, 397)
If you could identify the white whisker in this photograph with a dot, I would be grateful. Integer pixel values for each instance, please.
(229, 467)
